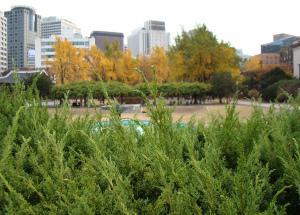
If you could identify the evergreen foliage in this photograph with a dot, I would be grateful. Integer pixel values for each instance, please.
(281, 90)
(58, 164)
(223, 84)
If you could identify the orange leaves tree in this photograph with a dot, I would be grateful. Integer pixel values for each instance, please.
(100, 65)
(156, 65)
(127, 69)
(194, 57)
(253, 64)
(177, 66)
(160, 61)
(73, 65)
(123, 65)
(69, 64)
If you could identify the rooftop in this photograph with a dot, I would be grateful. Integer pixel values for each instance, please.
(22, 7)
(107, 33)
(296, 44)
(21, 75)
(281, 41)
(55, 19)
(76, 37)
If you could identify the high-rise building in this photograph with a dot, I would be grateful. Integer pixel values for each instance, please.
(44, 47)
(157, 36)
(138, 42)
(55, 26)
(23, 26)
(3, 43)
(104, 38)
(296, 62)
(282, 44)
(279, 41)
(143, 40)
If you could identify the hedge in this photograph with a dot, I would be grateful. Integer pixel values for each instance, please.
(117, 89)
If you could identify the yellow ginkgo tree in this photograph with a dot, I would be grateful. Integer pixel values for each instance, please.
(69, 63)
(126, 69)
(100, 65)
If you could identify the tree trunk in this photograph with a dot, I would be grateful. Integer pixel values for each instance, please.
(62, 80)
(195, 100)
(220, 100)
(85, 101)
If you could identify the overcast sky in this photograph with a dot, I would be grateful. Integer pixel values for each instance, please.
(245, 24)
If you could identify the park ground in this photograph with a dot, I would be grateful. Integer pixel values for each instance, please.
(203, 113)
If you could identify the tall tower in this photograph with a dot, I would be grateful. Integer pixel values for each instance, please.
(60, 27)
(23, 26)
(3, 43)
(143, 40)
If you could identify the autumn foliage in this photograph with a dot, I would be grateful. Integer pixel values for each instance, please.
(69, 64)
(194, 57)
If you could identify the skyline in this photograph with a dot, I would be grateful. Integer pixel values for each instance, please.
(244, 25)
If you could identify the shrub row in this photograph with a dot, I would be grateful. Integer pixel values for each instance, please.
(116, 89)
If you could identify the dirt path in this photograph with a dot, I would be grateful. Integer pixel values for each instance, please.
(200, 112)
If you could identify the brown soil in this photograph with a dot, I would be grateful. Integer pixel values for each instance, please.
(183, 113)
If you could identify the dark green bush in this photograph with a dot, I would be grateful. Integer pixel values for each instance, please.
(270, 92)
(281, 89)
(223, 84)
(43, 84)
(275, 75)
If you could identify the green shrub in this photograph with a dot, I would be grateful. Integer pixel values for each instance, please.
(270, 92)
(59, 164)
(254, 94)
(281, 89)
(275, 75)
(43, 84)
(222, 84)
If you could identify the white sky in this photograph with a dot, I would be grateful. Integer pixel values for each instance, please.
(245, 24)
